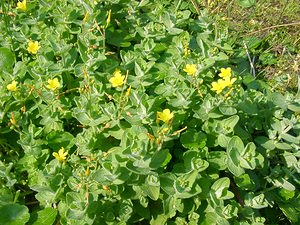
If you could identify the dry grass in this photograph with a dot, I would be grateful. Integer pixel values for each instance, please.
(277, 22)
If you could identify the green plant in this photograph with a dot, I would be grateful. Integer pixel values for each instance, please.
(112, 118)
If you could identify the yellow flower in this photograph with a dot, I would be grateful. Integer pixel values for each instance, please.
(218, 86)
(225, 72)
(222, 84)
(61, 155)
(117, 79)
(53, 84)
(33, 47)
(22, 5)
(190, 69)
(12, 86)
(228, 82)
(165, 115)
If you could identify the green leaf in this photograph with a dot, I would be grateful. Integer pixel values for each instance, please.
(265, 142)
(283, 183)
(245, 182)
(158, 219)
(20, 69)
(82, 117)
(218, 160)
(138, 167)
(180, 101)
(290, 138)
(279, 100)
(160, 159)
(256, 202)
(193, 139)
(58, 139)
(117, 38)
(199, 164)
(246, 3)
(167, 181)
(230, 211)
(290, 159)
(283, 146)
(45, 216)
(125, 209)
(227, 110)
(227, 125)
(267, 58)
(152, 187)
(169, 205)
(193, 161)
(82, 50)
(7, 60)
(221, 56)
(220, 188)
(223, 140)
(164, 90)
(290, 212)
(141, 210)
(185, 185)
(286, 194)
(138, 70)
(294, 106)
(247, 159)
(234, 149)
(212, 218)
(14, 214)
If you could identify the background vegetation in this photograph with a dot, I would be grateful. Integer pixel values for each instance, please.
(149, 112)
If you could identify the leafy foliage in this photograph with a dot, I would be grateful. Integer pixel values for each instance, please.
(156, 146)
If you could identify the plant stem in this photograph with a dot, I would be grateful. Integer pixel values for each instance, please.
(6, 21)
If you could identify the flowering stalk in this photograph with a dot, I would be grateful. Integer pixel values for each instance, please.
(166, 116)
(6, 22)
(196, 85)
(121, 102)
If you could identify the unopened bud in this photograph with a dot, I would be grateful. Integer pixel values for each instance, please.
(87, 172)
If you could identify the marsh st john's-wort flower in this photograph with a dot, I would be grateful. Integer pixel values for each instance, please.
(165, 115)
(60, 155)
(226, 81)
(229, 82)
(118, 79)
(22, 5)
(33, 47)
(218, 86)
(12, 86)
(53, 84)
(225, 72)
(190, 69)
